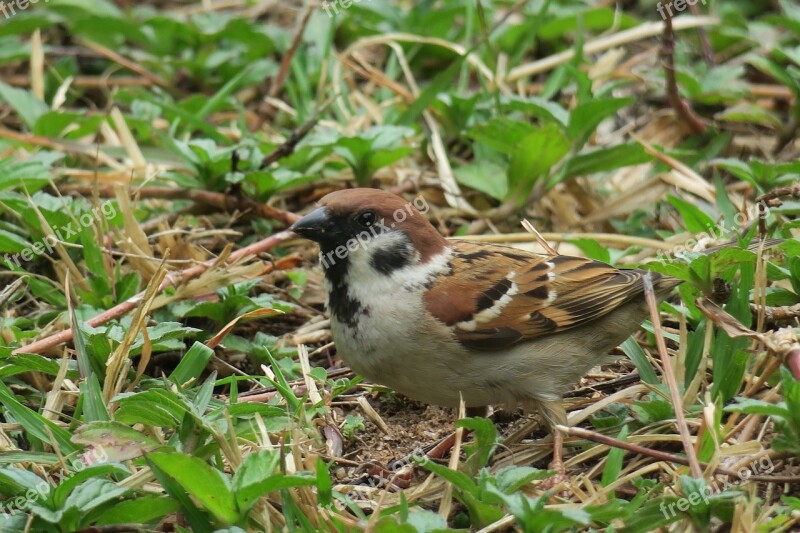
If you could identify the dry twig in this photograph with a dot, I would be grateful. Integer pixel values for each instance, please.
(172, 279)
(664, 456)
(669, 375)
(782, 343)
(681, 107)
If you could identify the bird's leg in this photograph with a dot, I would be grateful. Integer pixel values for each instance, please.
(557, 463)
(554, 415)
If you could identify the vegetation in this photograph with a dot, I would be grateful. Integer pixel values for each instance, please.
(165, 364)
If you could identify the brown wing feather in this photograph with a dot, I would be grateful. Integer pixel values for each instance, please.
(505, 295)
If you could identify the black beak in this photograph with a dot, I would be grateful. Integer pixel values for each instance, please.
(313, 226)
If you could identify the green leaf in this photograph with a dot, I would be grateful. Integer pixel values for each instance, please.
(82, 355)
(748, 113)
(256, 466)
(15, 481)
(593, 249)
(458, 479)
(155, 407)
(207, 485)
(373, 149)
(502, 134)
(34, 423)
(145, 509)
(66, 491)
(24, 103)
(196, 518)
(757, 407)
(42, 458)
(513, 478)
(440, 83)
(614, 461)
(324, 484)
(534, 156)
(607, 159)
(11, 365)
(12, 243)
(585, 118)
(636, 354)
(115, 441)
(248, 495)
(694, 219)
(538, 107)
(484, 176)
(485, 441)
(192, 364)
(94, 405)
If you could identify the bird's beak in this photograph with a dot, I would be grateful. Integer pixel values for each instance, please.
(314, 225)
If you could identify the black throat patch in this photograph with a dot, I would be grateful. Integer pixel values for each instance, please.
(340, 304)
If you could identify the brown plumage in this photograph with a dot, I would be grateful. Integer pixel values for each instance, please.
(442, 321)
(526, 295)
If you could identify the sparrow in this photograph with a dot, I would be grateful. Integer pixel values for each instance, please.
(440, 320)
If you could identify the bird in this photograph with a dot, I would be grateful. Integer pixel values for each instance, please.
(443, 320)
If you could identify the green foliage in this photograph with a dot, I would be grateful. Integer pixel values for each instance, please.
(200, 109)
(786, 413)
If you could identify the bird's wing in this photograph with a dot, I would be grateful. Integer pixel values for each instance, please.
(496, 296)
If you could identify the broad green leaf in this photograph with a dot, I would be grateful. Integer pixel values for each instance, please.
(585, 118)
(145, 509)
(694, 219)
(533, 157)
(485, 176)
(15, 482)
(113, 441)
(65, 492)
(155, 407)
(24, 103)
(485, 441)
(197, 519)
(593, 249)
(11, 365)
(248, 495)
(11, 243)
(502, 134)
(207, 485)
(513, 478)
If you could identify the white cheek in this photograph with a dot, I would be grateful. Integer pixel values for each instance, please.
(395, 293)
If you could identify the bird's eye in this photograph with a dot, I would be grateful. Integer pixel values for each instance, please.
(366, 219)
